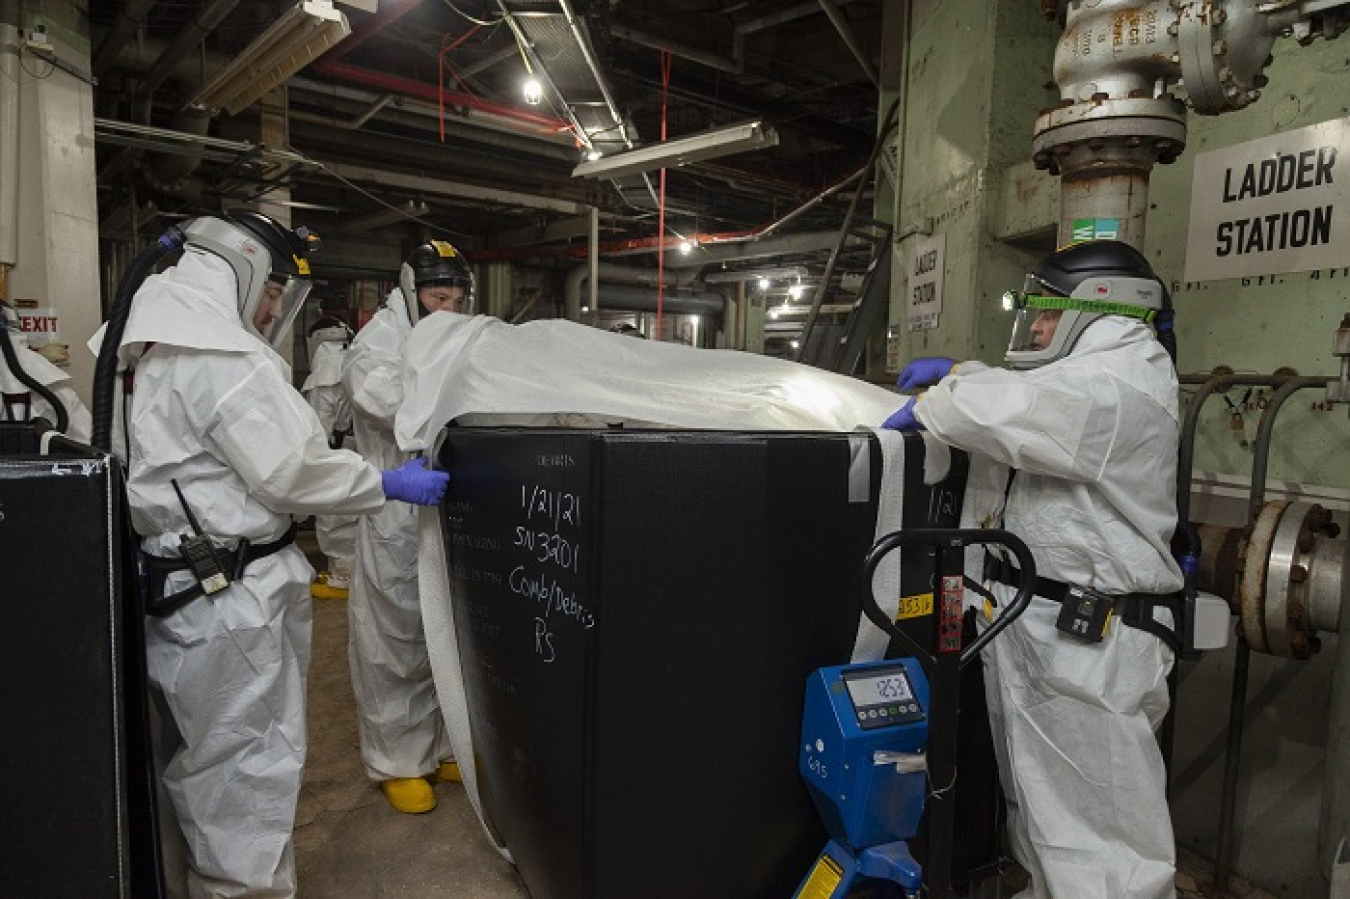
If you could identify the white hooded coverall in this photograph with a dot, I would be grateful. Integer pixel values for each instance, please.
(402, 731)
(1093, 437)
(323, 389)
(48, 375)
(213, 407)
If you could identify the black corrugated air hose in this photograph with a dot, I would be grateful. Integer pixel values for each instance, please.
(105, 370)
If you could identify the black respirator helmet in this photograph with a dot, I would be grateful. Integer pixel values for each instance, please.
(1085, 281)
(330, 327)
(433, 263)
(270, 263)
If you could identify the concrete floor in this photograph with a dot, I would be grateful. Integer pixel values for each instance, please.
(350, 844)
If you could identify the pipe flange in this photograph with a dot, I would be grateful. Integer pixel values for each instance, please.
(1327, 580)
(1292, 576)
(1223, 50)
(1252, 586)
(1286, 602)
(1145, 130)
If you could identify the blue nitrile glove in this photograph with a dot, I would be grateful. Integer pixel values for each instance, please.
(412, 483)
(924, 372)
(903, 418)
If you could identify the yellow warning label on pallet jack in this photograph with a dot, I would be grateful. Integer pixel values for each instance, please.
(915, 606)
(824, 879)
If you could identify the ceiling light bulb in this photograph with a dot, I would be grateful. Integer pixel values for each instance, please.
(686, 247)
(795, 291)
(763, 283)
(534, 91)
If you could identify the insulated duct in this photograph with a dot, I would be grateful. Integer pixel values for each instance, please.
(681, 301)
(611, 275)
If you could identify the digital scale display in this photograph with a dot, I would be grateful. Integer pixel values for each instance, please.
(882, 697)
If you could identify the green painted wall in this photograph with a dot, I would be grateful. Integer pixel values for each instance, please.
(979, 72)
(966, 123)
(1261, 324)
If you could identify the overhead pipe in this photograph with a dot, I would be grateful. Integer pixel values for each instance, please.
(430, 92)
(605, 274)
(735, 64)
(129, 21)
(837, 19)
(631, 298)
(487, 128)
(191, 37)
(355, 123)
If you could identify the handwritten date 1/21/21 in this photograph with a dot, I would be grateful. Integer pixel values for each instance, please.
(557, 507)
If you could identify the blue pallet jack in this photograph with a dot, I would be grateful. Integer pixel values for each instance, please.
(879, 738)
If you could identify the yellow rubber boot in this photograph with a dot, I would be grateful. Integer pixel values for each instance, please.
(323, 588)
(410, 795)
(447, 772)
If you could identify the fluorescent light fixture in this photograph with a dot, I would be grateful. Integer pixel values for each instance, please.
(302, 33)
(681, 151)
(406, 210)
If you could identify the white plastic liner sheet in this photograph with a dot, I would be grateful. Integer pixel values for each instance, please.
(460, 365)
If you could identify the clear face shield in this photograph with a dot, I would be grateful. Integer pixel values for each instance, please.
(278, 304)
(1036, 316)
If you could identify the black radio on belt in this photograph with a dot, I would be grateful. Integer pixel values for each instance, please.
(200, 553)
(1085, 613)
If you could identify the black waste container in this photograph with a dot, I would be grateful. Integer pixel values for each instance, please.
(637, 613)
(78, 799)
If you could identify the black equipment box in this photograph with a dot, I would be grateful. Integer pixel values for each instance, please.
(79, 807)
(637, 613)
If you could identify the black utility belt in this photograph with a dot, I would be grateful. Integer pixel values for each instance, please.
(226, 566)
(1087, 612)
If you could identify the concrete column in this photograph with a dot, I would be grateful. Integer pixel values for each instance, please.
(54, 201)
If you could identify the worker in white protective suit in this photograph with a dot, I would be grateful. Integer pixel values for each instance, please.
(403, 738)
(222, 450)
(327, 342)
(19, 399)
(1086, 421)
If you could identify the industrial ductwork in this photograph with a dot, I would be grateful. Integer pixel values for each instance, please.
(634, 290)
